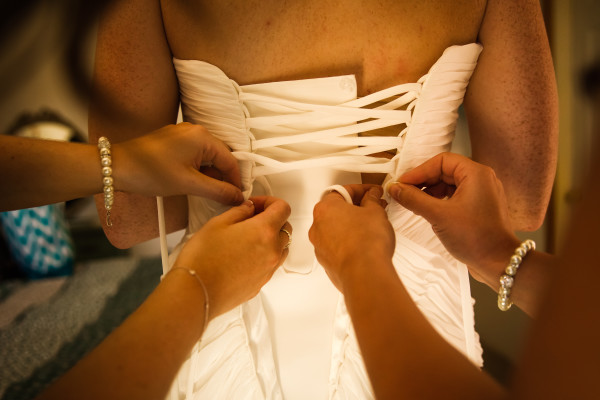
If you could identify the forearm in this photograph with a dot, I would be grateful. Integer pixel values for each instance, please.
(37, 172)
(402, 351)
(140, 359)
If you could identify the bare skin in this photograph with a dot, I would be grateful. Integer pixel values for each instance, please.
(383, 44)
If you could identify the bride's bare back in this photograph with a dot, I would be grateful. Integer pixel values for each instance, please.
(383, 43)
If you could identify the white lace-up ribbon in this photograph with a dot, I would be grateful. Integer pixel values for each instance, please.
(353, 153)
(339, 189)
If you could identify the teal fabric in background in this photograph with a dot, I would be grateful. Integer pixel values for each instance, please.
(39, 240)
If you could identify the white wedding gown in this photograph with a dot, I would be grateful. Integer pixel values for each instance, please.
(294, 139)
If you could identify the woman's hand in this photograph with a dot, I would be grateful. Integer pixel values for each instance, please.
(236, 253)
(473, 223)
(347, 235)
(169, 162)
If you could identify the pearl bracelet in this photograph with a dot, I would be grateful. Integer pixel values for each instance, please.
(507, 280)
(206, 303)
(107, 180)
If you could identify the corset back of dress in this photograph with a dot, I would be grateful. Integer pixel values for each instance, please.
(293, 139)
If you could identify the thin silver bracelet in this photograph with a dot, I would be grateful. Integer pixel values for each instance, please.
(508, 279)
(206, 302)
(107, 180)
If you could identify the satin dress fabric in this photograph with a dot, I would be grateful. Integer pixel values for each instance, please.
(294, 139)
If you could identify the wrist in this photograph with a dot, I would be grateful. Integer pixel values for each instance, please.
(357, 270)
(120, 169)
(190, 290)
(494, 262)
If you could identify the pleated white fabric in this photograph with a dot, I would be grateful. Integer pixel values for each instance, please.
(294, 139)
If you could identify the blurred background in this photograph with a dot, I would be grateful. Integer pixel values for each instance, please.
(49, 319)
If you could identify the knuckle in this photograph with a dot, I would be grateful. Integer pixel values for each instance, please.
(273, 258)
(288, 208)
(194, 130)
(220, 192)
(488, 172)
(311, 234)
(202, 130)
(225, 194)
(319, 210)
(269, 236)
(285, 208)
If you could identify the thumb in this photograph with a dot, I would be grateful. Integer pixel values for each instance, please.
(214, 189)
(372, 198)
(236, 214)
(275, 213)
(417, 201)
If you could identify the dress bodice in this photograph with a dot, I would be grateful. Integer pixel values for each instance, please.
(293, 139)
(283, 126)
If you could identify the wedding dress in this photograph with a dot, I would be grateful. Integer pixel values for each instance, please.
(294, 139)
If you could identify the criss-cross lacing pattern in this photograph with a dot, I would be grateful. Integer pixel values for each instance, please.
(350, 152)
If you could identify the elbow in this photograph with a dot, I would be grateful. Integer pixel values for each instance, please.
(124, 236)
(529, 220)
(528, 203)
(532, 224)
(120, 241)
(134, 219)
(120, 234)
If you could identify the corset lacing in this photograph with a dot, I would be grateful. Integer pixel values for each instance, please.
(353, 153)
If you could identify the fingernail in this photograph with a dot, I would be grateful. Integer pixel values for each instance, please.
(395, 190)
(248, 203)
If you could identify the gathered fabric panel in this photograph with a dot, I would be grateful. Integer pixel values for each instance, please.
(435, 114)
(209, 99)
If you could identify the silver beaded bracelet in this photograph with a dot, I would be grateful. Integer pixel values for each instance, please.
(508, 279)
(107, 180)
